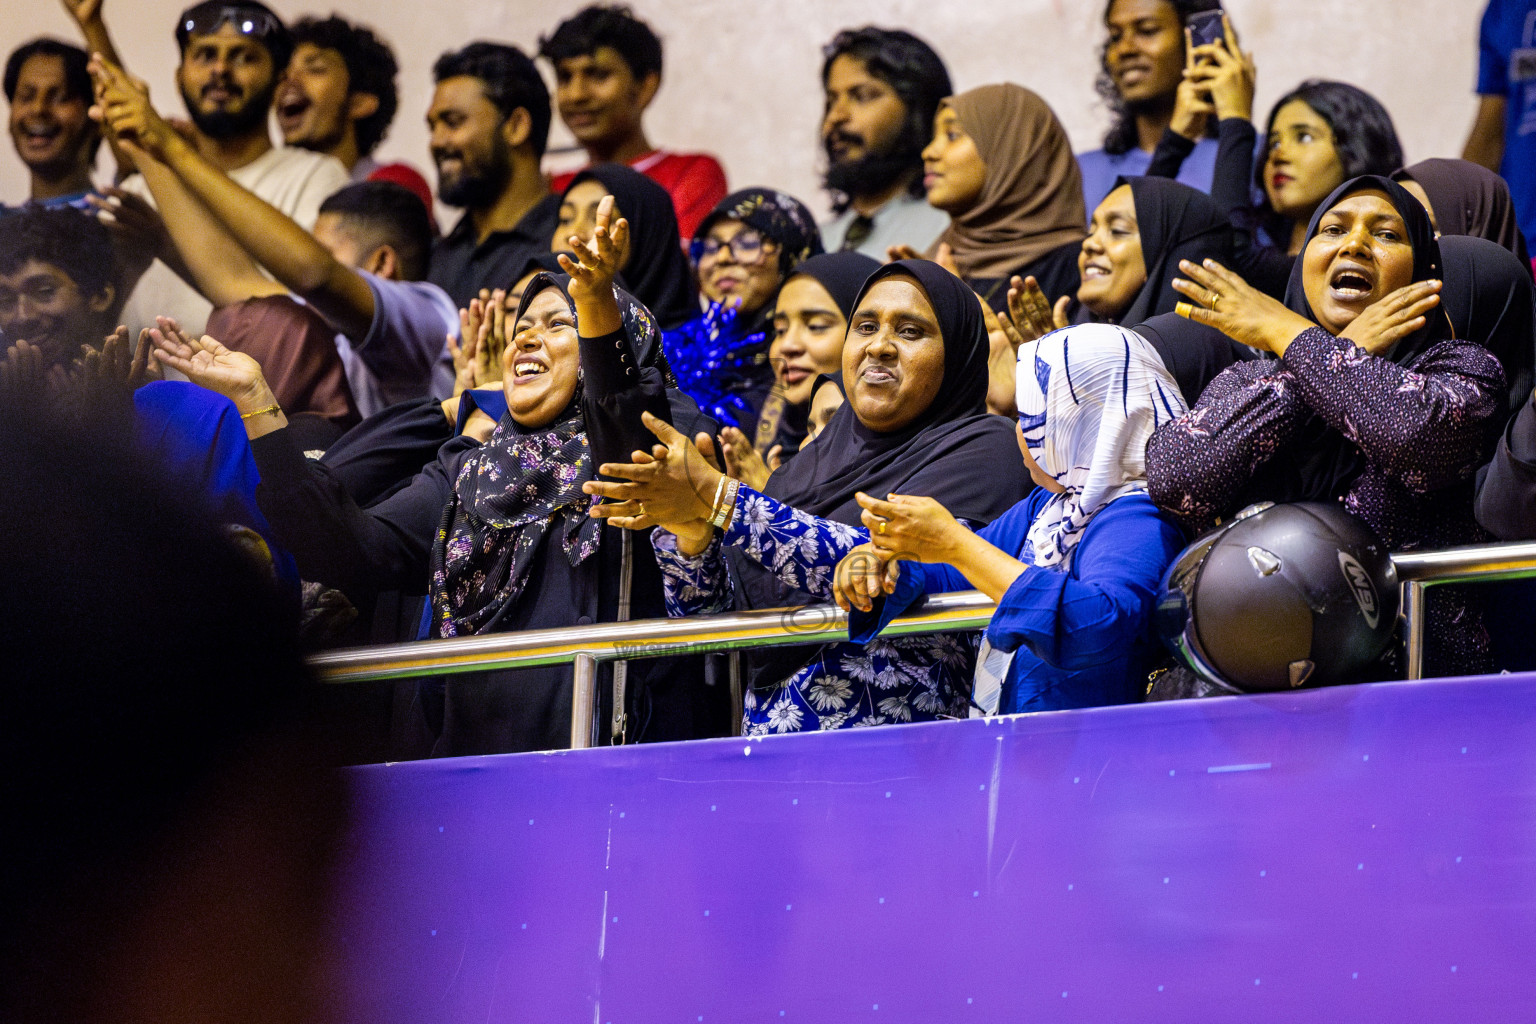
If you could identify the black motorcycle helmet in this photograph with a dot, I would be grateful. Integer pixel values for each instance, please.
(1282, 596)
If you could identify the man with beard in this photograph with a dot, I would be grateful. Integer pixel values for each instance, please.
(607, 69)
(489, 122)
(338, 97)
(232, 57)
(56, 287)
(883, 88)
(49, 91)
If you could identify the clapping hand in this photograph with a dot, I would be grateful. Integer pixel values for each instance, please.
(742, 461)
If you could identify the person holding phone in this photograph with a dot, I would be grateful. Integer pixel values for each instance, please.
(1141, 68)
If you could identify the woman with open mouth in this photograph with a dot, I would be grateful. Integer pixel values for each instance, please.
(914, 369)
(1369, 399)
(495, 530)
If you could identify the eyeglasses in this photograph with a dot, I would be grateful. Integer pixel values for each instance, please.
(250, 21)
(747, 247)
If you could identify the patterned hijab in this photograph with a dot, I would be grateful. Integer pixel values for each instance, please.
(1089, 398)
(774, 215)
(519, 488)
(1032, 201)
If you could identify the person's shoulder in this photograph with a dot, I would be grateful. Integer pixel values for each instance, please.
(1135, 513)
(417, 293)
(685, 163)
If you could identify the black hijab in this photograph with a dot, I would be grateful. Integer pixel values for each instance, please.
(517, 489)
(842, 275)
(1488, 297)
(1176, 223)
(1321, 463)
(955, 451)
(657, 272)
(1469, 199)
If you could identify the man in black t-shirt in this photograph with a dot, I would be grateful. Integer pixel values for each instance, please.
(489, 121)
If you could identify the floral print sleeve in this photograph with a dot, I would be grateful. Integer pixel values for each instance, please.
(691, 586)
(1426, 425)
(1197, 462)
(800, 549)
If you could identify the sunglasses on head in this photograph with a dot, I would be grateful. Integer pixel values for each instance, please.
(246, 20)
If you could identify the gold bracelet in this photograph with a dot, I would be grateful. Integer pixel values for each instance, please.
(273, 408)
(714, 506)
(722, 514)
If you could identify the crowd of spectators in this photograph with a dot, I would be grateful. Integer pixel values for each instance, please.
(630, 392)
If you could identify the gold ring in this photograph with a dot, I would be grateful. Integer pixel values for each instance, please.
(641, 506)
(1215, 298)
(883, 524)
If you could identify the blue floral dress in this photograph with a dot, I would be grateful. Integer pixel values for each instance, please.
(887, 681)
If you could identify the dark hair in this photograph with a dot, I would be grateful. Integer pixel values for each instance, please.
(1121, 137)
(77, 80)
(383, 213)
(278, 43)
(612, 25)
(1363, 136)
(510, 81)
(64, 237)
(911, 67)
(371, 71)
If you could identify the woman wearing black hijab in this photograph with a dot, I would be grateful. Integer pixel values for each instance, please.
(1464, 198)
(810, 320)
(497, 534)
(1373, 404)
(1136, 240)
(914, 368)
(655, 271)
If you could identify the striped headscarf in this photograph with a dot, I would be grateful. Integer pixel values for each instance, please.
(1089, 398)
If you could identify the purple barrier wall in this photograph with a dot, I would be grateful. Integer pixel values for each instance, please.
(1363, 853)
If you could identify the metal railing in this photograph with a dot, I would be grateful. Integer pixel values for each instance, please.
(586, 646)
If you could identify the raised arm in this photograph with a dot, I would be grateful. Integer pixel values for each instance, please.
(291, 254)
(615, 391)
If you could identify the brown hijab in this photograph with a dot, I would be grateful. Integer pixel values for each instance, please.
(1032, 201)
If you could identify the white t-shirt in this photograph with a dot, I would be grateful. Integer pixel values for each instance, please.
(295, 181)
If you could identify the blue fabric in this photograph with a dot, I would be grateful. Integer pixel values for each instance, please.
(905, 679)
(199, 441)
(1083, 637)
(1508, 26)
(491, 401)
(1100, 170)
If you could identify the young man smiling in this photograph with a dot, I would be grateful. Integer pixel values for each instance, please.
(607, 69)
(49, 92)
(232, 58)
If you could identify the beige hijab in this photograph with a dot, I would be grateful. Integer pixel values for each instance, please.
(1032, 201)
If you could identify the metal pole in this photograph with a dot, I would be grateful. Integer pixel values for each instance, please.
(1413, 627)
(733, 662)
(583, 701)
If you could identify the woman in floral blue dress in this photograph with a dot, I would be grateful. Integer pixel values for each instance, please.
(915, 374)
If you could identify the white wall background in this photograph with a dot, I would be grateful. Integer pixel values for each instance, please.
(741, 77)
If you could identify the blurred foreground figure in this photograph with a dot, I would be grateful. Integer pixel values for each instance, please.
(167, 834)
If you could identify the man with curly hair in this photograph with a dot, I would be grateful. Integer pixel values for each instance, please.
(339, 97)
